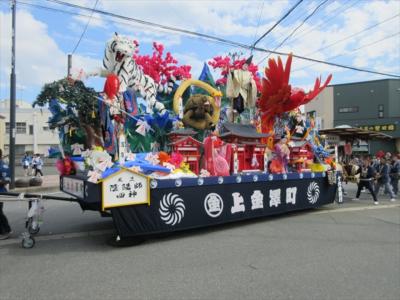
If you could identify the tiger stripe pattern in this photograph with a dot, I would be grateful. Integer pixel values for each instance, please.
(118, 59)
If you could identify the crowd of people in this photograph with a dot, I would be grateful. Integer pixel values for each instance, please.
(32, 165)
(377, 172)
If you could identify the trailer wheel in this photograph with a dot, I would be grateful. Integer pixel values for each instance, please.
(28, 242)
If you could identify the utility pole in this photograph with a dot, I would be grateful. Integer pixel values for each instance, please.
(69, 64)
(13, 130)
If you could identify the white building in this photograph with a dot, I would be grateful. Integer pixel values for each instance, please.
(322, 107)
(32, 130)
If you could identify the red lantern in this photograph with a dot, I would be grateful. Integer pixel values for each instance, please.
(111, 87)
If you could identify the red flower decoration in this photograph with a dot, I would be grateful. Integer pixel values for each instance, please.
(225, 64)
(160, 68)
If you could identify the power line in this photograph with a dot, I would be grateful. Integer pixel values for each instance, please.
(84, 30)
(353, 50)
(258, 22)
(373, 43)
(88, 16)
(220, 40)
(293, 32)
(335, 15)
(353, 35)
(277, 23)
(302, 23)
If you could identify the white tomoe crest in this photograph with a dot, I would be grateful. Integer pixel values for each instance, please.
(313, 192)
(172, 209)
(118, 59)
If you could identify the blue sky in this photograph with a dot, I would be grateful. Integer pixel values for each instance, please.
(45, 37)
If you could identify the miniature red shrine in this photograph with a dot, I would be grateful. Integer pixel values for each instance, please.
(247, 146)
(183, 143)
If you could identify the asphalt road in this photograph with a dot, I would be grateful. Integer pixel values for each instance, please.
(347, 251)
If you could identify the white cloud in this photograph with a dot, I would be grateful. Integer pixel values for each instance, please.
(39, 59)
(95, 21)
(353, 20)
(222, 18)
(333, 7)
(144, 35)
(192, 60)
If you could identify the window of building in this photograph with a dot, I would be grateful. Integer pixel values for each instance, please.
(21, 127)
(380, 110)
(352, 109)
(45, 128)
(31, 129)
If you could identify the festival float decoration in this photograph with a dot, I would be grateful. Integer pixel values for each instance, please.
(240, 83)
(188, 147)
(182, 164)
(248, 150)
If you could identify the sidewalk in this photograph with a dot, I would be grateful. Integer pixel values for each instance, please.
(51, 183)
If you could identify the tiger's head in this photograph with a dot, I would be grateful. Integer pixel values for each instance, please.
(117, 50)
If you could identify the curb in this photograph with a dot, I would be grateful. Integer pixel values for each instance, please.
(36, 189)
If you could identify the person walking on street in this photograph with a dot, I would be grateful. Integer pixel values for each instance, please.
(5, 229)
(26, 162)
(37, 163)
(395, 174)
(384, 179)
(367, 175)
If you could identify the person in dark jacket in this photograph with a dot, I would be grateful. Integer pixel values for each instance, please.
(5, 229)
(395, 173)
(367, 176)
(384, 179)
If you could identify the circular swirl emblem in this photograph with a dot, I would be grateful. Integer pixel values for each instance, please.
(313, 192)
(172, 209)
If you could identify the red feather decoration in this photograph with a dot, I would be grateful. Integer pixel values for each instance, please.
(277, 95)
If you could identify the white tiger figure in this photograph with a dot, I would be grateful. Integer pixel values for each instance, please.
(118, 59)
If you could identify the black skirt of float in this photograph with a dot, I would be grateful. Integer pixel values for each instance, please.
(184, 204)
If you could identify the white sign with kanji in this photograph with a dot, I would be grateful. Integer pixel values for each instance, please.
(125, 187)
(73, 186)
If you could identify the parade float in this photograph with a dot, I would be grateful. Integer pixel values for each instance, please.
(161, 151)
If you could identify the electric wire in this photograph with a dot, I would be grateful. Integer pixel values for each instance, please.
(319, 24)
(353, 35)
(258, 23)
(84, 30)
(277, 23)
(114, 21)
(294, 31)
(223, 41)
(353, 50)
